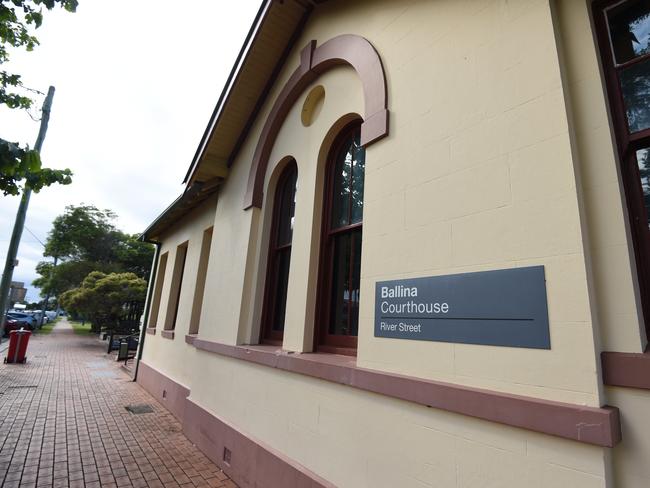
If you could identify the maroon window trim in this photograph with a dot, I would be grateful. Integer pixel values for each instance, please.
(276, 286)
(627, 145)
(324, 341)
(600, 426)
(346, 49)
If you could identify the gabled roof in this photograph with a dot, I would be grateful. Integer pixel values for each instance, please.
(269, 41)
(185, 203)
(276, 27)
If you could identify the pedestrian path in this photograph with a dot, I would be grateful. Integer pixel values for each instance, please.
(64, 423)
(63, 324)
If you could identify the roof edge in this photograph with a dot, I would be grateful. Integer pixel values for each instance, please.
(230, 82)
(185, 203)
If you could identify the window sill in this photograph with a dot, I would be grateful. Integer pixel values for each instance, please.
(151, 330)
(591, 425)
(342, 351)
(276, 357)
(626, 369)
(167, 334)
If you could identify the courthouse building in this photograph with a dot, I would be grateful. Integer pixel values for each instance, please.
(413, 250)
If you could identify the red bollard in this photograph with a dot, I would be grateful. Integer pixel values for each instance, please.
(18, 340)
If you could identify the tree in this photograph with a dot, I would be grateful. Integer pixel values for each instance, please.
(103, 298)
(55, 280)
(83, 233)
(23, 165)
(34, 306)
(18, 164)
(84, 239)
(16, 17)
(135, 256)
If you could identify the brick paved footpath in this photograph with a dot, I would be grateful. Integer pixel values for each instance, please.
(63, 423)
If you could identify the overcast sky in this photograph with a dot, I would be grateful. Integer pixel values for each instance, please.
(136, 82)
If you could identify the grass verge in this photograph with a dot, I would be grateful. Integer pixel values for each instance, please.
(47, 328)
(78, 328)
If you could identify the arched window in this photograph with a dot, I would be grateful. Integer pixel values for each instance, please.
(622, 29)
(277, 280)
(341, 249)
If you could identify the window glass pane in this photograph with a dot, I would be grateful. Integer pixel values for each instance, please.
(287, 208)
(356, 280)
(358, 170)
(635, 85)
(629, 27)
(345, 280)
(341, 196)
(643, 160)
(340, 285)
(281, 285)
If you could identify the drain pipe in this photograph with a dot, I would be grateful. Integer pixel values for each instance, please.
(147, 305)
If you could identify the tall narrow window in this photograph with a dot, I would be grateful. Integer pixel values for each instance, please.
(341, 252)
(277, 280)
(176, 285)
(623, 29)
(201, 274)
(157, 291)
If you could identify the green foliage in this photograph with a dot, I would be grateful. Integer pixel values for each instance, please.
(24, 165)
(21, 167)
(83, 239)
(16, 19)
(54, 280)
(134, 255)
(101, 298)
(33, 306)
(83, 233)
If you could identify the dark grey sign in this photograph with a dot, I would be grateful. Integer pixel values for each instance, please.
(499, 308)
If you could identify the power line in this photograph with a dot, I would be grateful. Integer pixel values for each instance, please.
(34, 236)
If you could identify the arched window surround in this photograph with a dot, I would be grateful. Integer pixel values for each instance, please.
(632, 140)
(279, 256)
(325, 341)
(346, 49)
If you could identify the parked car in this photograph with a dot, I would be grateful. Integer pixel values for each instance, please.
(39, 317)
(13, 324)
(17, 321)
(50, 314)
(23, 319)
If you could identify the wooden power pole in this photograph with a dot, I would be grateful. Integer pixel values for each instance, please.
(19, 224)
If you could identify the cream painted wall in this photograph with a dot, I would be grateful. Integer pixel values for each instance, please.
(227, 268)
(476, 174)
(631, 468)
(609, 241)
(168, 355)
(343, 96)
(356, 439)
(613, 285)
(479, 172)
(495, 171)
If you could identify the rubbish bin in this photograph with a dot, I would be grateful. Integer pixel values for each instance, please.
(123, 351)
(18, 340)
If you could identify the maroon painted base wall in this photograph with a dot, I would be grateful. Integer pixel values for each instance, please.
(169, 393)
(252, 463)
